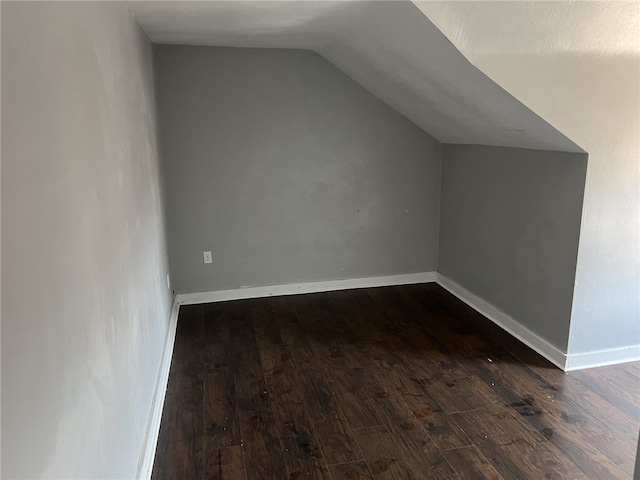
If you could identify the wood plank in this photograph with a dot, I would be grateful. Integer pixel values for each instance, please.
(251, 388)
(406, 406)
(612, 384)
(303, 458)
(218, 321)
(329, 424)
(417, 447)
(183, 410)
(330, 336)
(221, 424)
(469, 463)
(190, 340)
(302, 448)
(263, 451)
(559, 419)
(382, 455)
(422, 347)
(181, 459)
(514, 448)
(589, 402)
(225, 464)
(350, 471)
(353, 399)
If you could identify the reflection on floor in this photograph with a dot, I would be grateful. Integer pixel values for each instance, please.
(394, 383)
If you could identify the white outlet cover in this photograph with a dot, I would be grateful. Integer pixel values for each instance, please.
(207, 257)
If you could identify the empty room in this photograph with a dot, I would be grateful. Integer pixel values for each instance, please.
(320, 239)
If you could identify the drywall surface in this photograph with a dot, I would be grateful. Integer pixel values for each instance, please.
(85, 306)
(288, 171)
(577, 64)
(390, 48)
(510, 222)
(636, 471)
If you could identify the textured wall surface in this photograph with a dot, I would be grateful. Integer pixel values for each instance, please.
(390, 48)
(85, 305)
(509, 227)
(288, 171)
(577, 64)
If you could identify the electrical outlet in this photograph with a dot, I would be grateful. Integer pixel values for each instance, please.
(207, 257)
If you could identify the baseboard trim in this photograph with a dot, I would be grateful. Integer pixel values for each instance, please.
(504, 321)
(601, 358)
(148, 453)
(301, 288)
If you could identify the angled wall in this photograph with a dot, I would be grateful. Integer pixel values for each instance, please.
(586, 83)
(85, 305)
(288, 171)
(509, 230)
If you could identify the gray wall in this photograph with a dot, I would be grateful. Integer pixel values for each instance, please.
(85, 305)
(509, 229)
(288, 171)
(636, 471)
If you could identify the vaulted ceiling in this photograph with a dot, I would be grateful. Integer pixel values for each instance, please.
(391, 48)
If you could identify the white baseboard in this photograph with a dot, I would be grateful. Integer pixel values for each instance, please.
(301, 288)
(526, 336)
(550, 352)
(601, 358)
(148, 453)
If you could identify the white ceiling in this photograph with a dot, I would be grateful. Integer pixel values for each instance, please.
(391, 48)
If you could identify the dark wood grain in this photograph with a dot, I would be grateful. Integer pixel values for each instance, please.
(262, 448)
(388, 383)
(470, 464)
(352, 399)
(226, 464)
(514, 448)
(383, 457)
(220, 415)
(329, 423)
(180, 459)
(351, 471)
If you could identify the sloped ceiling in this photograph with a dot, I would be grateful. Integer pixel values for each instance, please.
(391, 48)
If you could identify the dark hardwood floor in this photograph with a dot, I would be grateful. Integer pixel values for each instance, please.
(395, 383)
